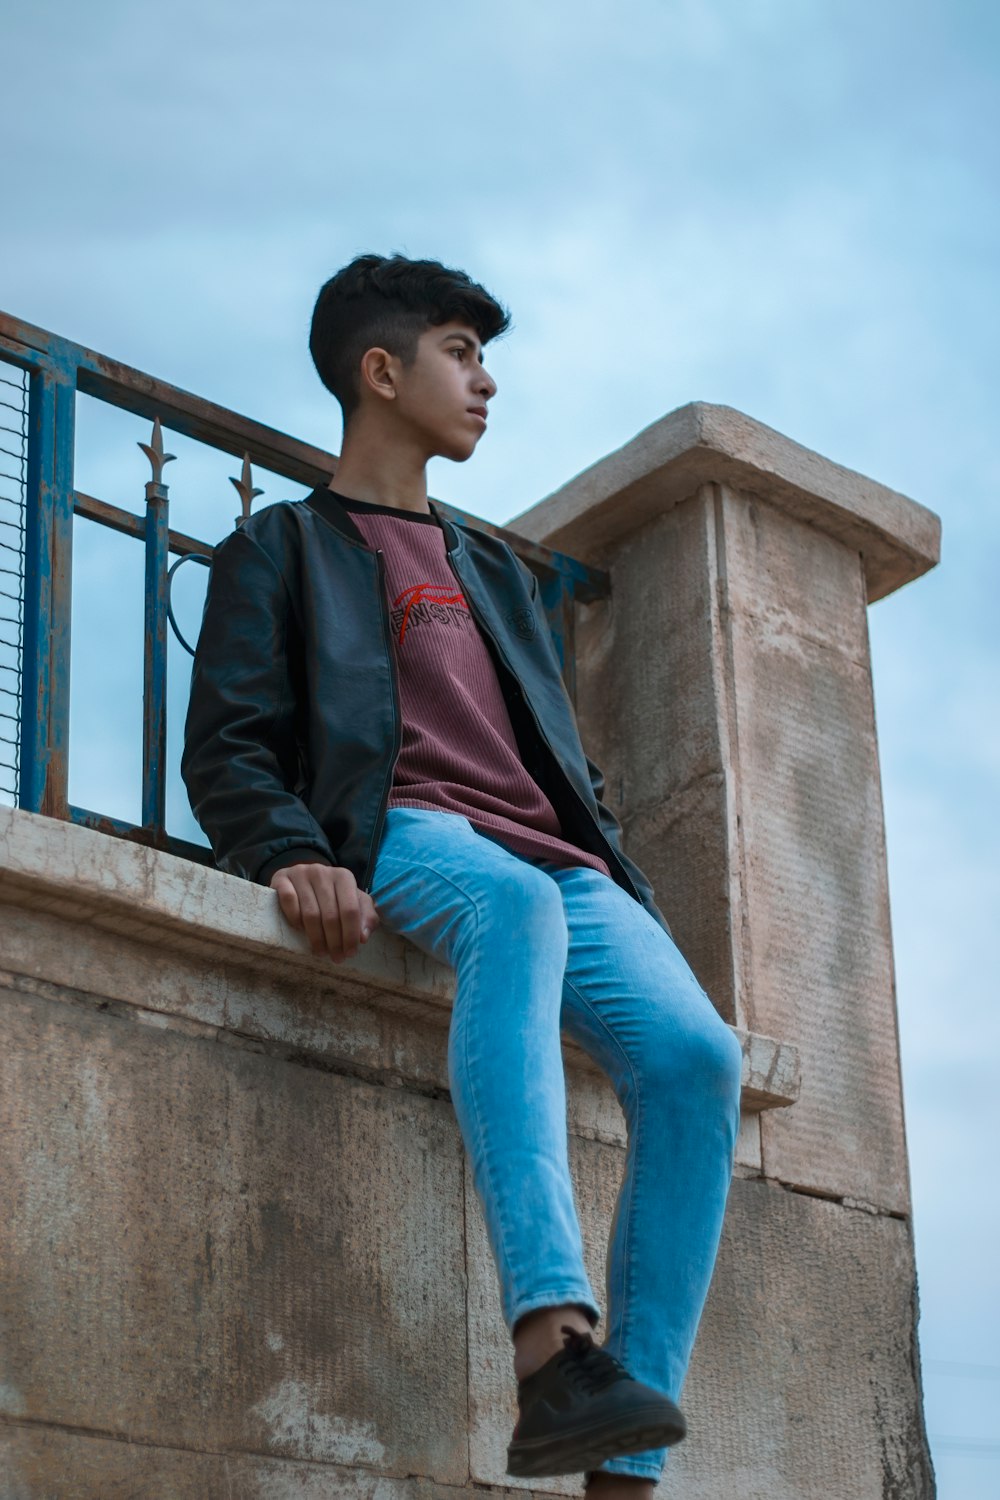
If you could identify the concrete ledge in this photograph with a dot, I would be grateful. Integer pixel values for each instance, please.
(703, 443)
(77, 873)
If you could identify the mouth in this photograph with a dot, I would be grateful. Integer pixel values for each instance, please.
(478, 411)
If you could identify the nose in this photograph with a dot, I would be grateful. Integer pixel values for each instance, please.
(486, 385)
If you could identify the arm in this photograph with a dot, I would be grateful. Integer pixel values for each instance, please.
(240, 756)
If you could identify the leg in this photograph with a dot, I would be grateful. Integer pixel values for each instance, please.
(602, 1485)
(632, 1001)
(498, 921)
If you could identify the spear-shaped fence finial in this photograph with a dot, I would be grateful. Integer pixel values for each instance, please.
(244, 487)
(154, 452)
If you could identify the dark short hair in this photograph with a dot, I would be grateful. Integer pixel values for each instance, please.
(388, 301)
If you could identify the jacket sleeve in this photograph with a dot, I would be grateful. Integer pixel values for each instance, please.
(240, 757)
(609, 824)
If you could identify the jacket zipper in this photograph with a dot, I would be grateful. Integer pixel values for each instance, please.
(541, 733)
(397, 726)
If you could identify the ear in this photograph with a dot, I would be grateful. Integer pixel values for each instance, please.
(379, 372)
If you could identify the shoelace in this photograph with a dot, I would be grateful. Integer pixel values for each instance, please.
(588, 1366)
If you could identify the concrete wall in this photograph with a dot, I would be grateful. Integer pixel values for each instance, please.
(241, 1253)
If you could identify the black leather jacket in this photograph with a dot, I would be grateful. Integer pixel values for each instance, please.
(293, 725)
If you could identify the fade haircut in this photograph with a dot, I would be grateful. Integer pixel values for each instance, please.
(388, 301)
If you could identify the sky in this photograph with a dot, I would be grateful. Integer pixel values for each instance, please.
(786, 207)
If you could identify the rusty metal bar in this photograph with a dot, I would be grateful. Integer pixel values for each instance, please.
(136, 834)
(154, 671)
(47, 595)
(127, 522)
(180, 410)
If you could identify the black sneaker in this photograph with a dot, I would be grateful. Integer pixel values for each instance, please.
(582, 1407)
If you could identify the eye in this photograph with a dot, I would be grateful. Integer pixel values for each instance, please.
(459, 349)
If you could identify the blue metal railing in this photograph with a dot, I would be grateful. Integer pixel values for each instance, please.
(43, 374)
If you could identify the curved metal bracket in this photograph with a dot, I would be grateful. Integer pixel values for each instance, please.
(201, 557)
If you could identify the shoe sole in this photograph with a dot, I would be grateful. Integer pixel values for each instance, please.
(572, 1453)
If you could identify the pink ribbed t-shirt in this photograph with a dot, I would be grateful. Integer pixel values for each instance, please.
(459, 753)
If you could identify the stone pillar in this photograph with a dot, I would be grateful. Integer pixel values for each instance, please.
(726, 690)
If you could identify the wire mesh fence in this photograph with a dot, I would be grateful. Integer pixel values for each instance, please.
(13, 488)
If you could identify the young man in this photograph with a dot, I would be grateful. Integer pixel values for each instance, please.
(378, 730)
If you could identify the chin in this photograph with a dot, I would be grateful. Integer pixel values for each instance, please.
(459, 452)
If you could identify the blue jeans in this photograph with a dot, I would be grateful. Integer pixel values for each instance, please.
(536, 948)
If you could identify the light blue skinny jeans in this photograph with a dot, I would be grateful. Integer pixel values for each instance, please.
(536, 948)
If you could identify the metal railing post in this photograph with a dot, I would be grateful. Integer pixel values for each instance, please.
(154, 662)
(48, 594)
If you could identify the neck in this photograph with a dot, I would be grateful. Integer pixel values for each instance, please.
(381, 468)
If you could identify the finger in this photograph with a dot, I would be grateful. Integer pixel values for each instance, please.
(321, 922)
(369, 916)
(333, 925)
(350, 915)
(288, 899)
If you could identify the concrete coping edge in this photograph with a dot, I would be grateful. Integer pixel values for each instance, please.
(88, 876)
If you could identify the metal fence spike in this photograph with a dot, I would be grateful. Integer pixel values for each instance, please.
(155, 452)
(245, 489)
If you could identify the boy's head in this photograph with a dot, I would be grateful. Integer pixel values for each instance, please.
(390, 303)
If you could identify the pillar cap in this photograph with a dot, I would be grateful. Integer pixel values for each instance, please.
(700, 443)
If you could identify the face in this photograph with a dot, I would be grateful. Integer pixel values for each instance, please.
(442, 397)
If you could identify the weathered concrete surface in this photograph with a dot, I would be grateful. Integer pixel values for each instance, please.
(45, 1464)
(703, 443)
(210, 1248)
(236, 1247)
(804, 1379)
(237, 1270)
(816, 887)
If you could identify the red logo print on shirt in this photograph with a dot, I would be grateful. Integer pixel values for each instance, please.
(423, 602)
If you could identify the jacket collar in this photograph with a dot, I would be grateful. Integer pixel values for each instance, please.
(325, 503)
(454, 539)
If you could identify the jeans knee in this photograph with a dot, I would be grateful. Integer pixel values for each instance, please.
(729, 1062)
(710, 1059)
(526, 904)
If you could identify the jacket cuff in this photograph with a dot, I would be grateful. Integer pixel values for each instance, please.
(306, 855)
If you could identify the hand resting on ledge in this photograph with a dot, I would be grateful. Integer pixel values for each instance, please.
(324, 902)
